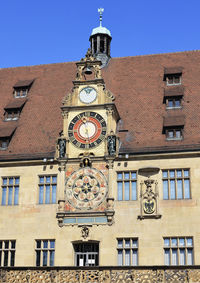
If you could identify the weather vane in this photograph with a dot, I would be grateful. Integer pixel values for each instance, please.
(101, 10)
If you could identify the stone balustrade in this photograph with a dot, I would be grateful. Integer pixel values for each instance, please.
(153, 274)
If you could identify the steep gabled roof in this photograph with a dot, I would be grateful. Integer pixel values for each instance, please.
(137, 83)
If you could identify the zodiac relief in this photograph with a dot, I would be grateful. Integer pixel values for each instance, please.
(86, 188)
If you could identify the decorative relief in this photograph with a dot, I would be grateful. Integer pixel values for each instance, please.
(194, 276)
(86, 189)
(89, 276)
(87, 66)
(148, 276)
(109, 94)
(68, 276)
(176, 276)
(122, 276)
(100, 276)
(85, 232)
(149, 199)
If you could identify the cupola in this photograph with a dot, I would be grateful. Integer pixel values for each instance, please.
(100, 39)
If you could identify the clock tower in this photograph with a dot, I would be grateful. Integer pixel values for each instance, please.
(87, 147)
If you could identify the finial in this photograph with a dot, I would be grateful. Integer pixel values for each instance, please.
(101, 10)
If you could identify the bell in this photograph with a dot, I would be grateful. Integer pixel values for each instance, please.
(88, 71)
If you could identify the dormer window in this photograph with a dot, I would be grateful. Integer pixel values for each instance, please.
(22, 88)
(173, 79)
(6, 134)
(174, 134)
(13, 109)
(173, 102)
(4, 142)
(173, 127)
(173, 97)
(173, 76)
(11, 114)
(21, 92)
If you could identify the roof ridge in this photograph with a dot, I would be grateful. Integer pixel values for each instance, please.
(158, 54)
(28, 66)
(69, 62)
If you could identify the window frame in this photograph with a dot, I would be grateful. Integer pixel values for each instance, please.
(3, 249)
(174, 130)
(129, 180)
(47, 195)
(10, 189)
(173, 78)
(173, 99)
(4, 140)
(178, 248)
(22, 91)
(39, 252)
(129, 248)
(176, 178)
(10, 115)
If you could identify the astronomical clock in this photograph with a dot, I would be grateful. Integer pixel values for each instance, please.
(86, 149)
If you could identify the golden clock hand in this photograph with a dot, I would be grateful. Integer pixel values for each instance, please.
(87, 131)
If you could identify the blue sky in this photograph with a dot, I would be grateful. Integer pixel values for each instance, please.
(49, 31)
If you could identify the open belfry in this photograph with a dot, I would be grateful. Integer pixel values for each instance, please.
(100, 168)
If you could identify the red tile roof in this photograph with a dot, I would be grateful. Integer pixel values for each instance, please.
(174, 121)
(25, 83)
(7, 130)
(137, 83)
(15, 103)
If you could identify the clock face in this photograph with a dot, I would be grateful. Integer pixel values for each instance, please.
(86, 188)
(87, 130)
(88, 95)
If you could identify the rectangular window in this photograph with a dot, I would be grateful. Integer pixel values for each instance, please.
(10, 191)
(178, 251)
(176, 184)
(127, 251)
(11, 114)
(127, 185)
(4, 142)
(174, 79)
(7, 252)
(45, 252)
(173, 102)
(20, 92)
(47, 189)
(174, 134)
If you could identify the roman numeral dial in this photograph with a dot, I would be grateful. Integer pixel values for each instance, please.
(87, 130)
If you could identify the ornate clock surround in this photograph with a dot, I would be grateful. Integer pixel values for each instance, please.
(89, 126)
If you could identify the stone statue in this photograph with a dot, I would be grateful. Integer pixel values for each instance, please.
(62, 146)
(111, 145)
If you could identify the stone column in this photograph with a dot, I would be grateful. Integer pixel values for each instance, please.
(105, 44)
(92, 45)
(98, 43)
(109, 47)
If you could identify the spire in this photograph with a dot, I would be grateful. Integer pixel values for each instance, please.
(100, 10)
(100, 41)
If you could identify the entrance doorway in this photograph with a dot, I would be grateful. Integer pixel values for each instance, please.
(86, 254)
